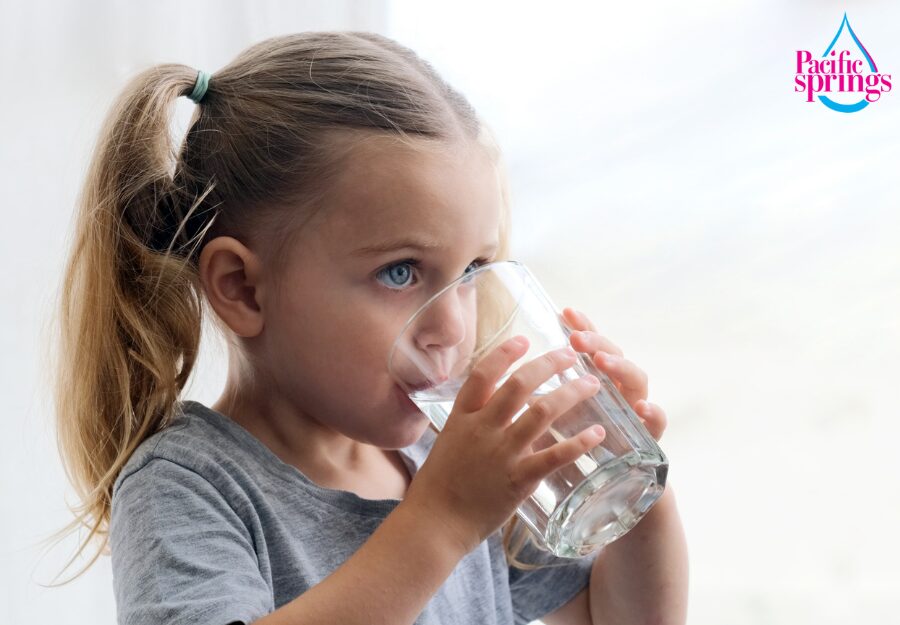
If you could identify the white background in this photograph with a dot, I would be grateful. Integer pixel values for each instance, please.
(740, 244)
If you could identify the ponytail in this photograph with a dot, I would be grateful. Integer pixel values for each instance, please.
(129, 311)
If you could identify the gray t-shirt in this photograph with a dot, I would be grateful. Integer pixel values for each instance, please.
(210, 527)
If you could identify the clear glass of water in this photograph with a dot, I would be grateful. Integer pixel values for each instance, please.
(584, 505)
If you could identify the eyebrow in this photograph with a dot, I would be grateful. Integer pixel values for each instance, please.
(419, 244)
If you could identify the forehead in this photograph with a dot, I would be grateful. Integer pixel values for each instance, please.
(448, 193)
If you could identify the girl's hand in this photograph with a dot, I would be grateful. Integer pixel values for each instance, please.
(482, 464)
(630, 380)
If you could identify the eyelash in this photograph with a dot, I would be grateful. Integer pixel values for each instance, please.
(413, 262)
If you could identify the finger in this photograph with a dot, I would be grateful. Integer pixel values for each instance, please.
(539, 465)
(577, 320)
(479, 386)
(535, 421)
(653, 417)
(517, 390)
(590, 342)
(631, 380)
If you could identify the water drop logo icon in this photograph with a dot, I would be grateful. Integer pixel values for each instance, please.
(845, 78)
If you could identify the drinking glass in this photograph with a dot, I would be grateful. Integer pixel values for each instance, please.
(584, 505)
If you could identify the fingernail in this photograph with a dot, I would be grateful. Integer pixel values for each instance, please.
(608, 358)
(597, 432)
(570, 352)
(590, 379)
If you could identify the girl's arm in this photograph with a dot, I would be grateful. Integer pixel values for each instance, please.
(388, 580)
(643, 576)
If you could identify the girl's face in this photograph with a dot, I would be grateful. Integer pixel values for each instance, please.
(399, 225)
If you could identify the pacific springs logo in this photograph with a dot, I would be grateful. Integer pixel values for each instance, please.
(845, 72)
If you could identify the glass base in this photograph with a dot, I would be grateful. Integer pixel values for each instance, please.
(605, 506)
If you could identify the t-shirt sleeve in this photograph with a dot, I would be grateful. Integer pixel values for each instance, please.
(180, 554)
(538, 592)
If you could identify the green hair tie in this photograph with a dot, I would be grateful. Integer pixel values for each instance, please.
(200, 87)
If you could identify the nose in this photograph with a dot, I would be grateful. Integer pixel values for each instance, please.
(444, 323)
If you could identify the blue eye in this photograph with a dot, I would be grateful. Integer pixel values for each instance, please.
(399, 273)
(477, 263)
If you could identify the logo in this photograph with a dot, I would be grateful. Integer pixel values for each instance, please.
(845, 78)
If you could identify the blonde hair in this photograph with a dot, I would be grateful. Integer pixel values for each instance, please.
(258, 155)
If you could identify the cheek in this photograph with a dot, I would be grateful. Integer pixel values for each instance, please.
(346, 332)
(355, 345)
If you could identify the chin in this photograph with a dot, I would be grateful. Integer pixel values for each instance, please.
(409, 430)
(400, 422)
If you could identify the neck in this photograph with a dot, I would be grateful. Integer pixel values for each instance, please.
(296, 438)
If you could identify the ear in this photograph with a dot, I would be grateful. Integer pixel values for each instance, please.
(230, 274)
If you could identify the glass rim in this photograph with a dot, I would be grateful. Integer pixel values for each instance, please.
(482, 269)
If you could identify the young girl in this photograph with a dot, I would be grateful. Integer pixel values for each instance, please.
(329, 183)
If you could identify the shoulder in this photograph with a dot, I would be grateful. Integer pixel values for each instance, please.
(198, 440)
